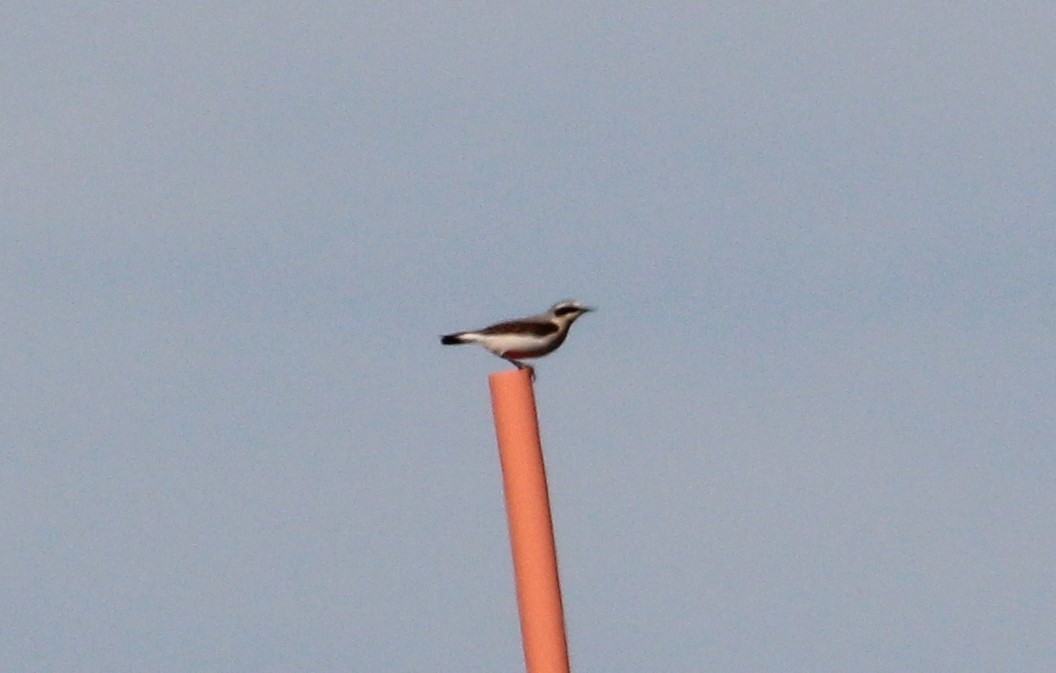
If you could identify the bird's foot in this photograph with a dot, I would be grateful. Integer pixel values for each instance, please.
(521, 365)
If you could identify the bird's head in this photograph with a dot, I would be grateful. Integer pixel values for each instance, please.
(569, 310)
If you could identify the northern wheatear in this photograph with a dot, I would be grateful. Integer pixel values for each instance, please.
(529, 337)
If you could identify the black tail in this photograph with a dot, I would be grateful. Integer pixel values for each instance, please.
(452, 339)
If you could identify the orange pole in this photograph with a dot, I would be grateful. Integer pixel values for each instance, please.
(531, 529)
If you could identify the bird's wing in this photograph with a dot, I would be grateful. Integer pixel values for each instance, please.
(538, 328)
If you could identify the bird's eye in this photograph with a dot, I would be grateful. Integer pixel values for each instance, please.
(565, 310)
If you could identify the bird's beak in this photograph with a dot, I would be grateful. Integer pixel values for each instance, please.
(589, 309)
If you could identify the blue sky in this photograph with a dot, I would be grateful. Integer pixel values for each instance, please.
(809, 429)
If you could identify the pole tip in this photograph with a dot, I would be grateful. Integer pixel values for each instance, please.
(511, 376)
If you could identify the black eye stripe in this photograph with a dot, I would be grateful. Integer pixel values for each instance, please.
(565, 310)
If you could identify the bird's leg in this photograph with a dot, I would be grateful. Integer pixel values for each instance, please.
(521, 365)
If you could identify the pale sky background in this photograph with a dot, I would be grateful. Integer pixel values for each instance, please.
(811, 428)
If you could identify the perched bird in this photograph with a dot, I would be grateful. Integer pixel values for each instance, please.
(529, 337)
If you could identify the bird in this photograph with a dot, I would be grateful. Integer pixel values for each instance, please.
(530, 337)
